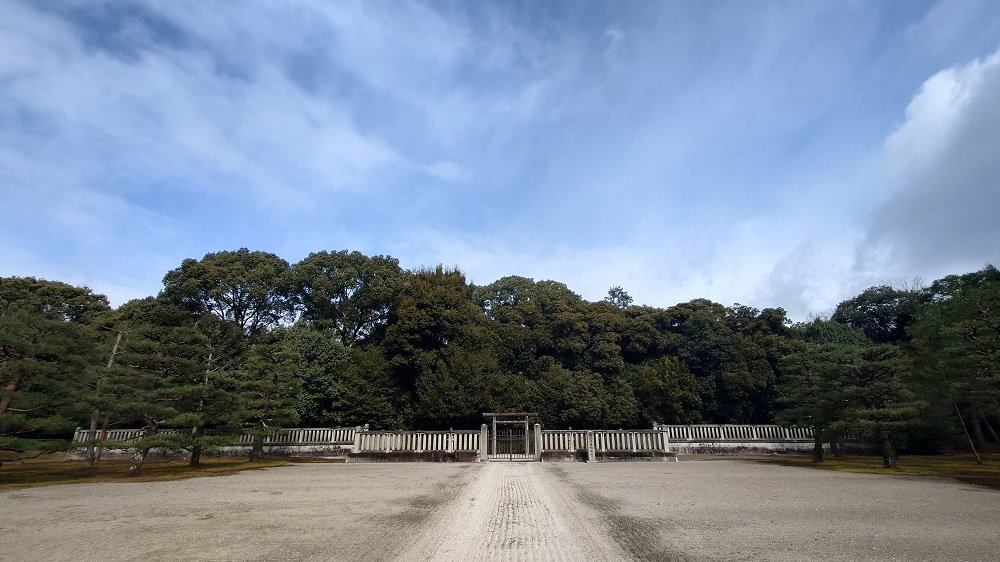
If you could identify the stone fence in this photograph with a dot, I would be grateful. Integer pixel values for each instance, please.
(727, 432)
(733, 439)
(359, 444)
(291, 436)
(604, 445)
(299, 441)
(390, 446)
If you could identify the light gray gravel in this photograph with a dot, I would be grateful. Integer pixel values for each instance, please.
(715, 510)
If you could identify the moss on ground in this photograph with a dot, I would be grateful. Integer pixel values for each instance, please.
(961, 467)
(58, 468)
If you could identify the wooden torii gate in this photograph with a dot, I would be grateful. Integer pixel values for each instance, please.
(512, 440)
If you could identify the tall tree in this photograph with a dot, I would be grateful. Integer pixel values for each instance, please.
(880, 403)
(619, 297)
(810, 394)
(956, 337)
(882, 313)
(47, 354)
(268, 387)
(250, 289)
(349, 293)
(438, 344)
(669, 392)
(320, 361)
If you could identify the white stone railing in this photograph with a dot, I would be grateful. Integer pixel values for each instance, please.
(306, 436)
(84, 435)
(605, 440)
(563, 439)
(416, 441)
(468, 440)
(708, 433)
(291, 436)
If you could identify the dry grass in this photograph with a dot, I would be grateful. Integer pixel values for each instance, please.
(961, 467)
(57, 468)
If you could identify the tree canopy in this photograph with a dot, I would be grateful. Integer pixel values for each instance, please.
(241, 340)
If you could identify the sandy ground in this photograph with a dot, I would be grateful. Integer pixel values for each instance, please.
(717, 510)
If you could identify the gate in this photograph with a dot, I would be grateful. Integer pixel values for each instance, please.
(511, 437)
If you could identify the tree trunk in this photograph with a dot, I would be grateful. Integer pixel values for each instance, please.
(989, 427)
(977, 430)
(195, 456)
(986, 422)
(817, 447)
(257, 450)
(9, 389)
(195, 448)
(91, 455)
(101, 438)
(889, 455)
(96, 413)
(196, 430)
(138, 457)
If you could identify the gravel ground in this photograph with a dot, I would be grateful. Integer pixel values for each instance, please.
(718, 510)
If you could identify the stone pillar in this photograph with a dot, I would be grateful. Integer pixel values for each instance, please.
(538, 442)
(357, 439)
(665, 442)
(483, 442)
(591, 450)
(527, 445)
(451, 440)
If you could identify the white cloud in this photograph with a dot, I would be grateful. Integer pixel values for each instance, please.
(942, 164)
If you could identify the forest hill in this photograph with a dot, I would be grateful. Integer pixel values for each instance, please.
(243, 339)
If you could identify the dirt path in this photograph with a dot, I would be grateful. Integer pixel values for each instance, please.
(720, 510)
(513, 512)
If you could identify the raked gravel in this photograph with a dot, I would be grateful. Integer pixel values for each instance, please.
(696, 510)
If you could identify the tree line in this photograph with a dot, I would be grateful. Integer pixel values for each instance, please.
(244, 341)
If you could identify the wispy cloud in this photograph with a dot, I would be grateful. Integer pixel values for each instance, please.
(680, 150)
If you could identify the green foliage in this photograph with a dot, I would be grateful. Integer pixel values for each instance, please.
(882, 313)
(619, 297)
(348, 293)
(669, 392)
(215, 353)
(47, 355)
(320, 360)
(570, 398)
(251, 289)
(956, 341)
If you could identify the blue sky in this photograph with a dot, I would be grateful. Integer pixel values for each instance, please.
(768, 153)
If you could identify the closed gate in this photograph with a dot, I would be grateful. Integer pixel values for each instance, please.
(511, 437)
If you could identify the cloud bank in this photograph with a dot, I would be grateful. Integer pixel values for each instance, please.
(774, 154)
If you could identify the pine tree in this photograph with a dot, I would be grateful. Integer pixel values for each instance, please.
(47, 348)
(266, 390)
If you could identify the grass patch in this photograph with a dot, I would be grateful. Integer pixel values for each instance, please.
(56, 468)
(960, 467)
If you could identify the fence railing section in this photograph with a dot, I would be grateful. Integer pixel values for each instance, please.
(745, 433)
(291, 436)
(417, 441)
(468, 440)
(604, 440)
(306, 436)
(84, 435)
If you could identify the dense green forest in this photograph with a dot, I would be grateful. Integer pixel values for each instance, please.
(243, 339)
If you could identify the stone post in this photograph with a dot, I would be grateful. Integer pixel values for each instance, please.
(483, 443)
(538, 442)
(451, 440)
(591, 450)
(357, 440)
